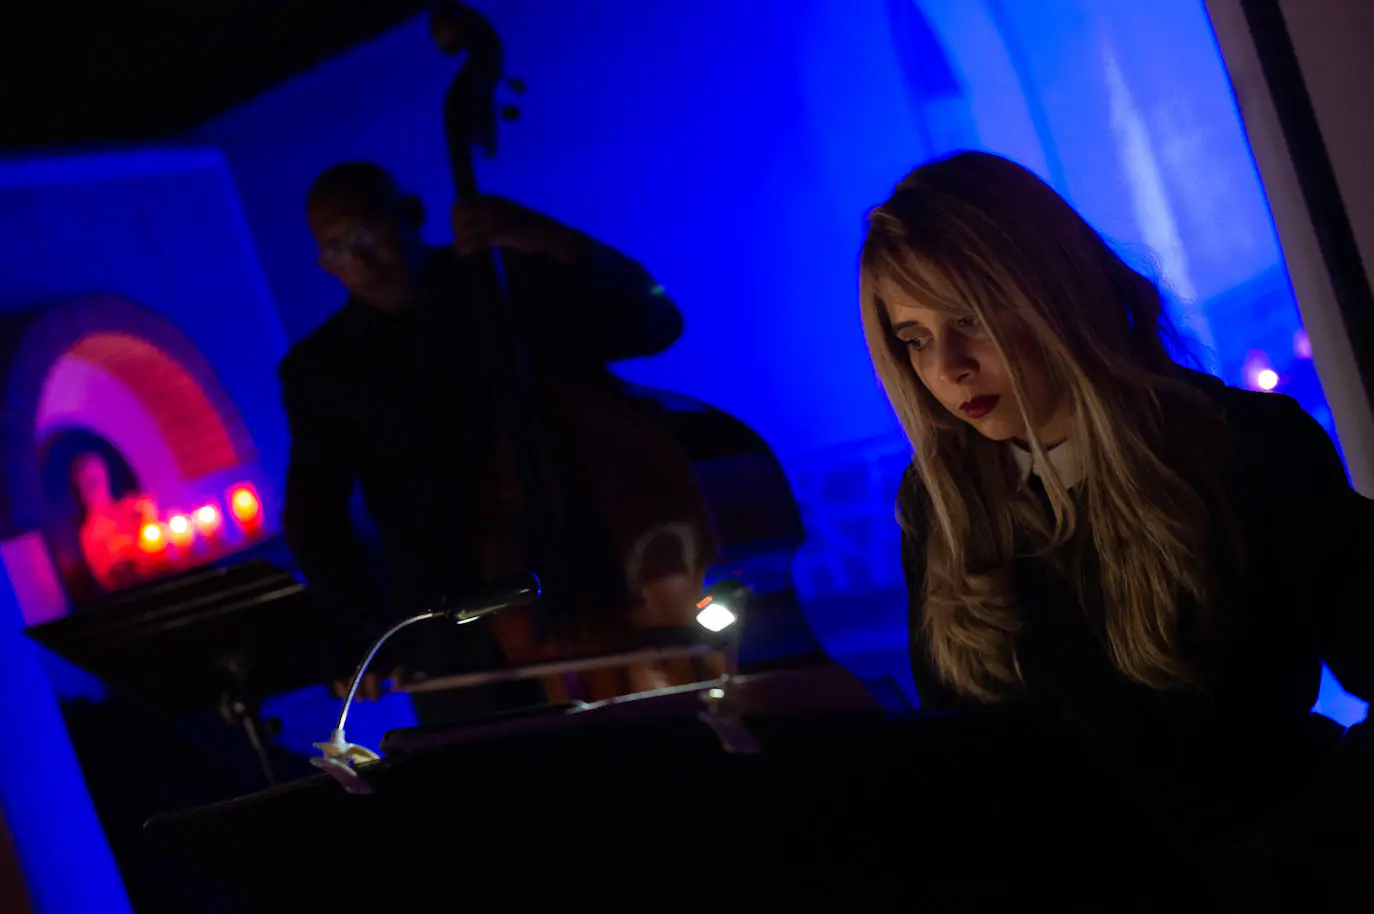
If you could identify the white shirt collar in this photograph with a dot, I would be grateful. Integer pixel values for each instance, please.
(1063, 458)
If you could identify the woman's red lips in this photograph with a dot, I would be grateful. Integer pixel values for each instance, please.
(979, 407)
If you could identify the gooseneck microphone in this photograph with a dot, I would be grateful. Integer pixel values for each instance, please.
(339, 754)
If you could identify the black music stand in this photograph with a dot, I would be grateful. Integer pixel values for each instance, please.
(218, 638)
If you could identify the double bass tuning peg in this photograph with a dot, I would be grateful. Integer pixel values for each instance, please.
(516, 84)
(510, 113)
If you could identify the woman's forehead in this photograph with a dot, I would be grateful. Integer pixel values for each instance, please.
(902, 309)
(919, 295)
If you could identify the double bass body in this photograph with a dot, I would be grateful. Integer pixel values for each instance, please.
(651, 493)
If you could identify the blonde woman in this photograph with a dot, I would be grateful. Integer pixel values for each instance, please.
(1090, 528)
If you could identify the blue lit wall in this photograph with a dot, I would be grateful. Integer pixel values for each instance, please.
(734, 147)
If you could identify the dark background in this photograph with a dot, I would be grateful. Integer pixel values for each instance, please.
(122, 72)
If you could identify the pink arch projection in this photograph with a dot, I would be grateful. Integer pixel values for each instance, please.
(162, 380)
(190, 425)
(125, 373)
(80, 394)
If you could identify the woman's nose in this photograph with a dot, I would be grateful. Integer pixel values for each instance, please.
(956, 364)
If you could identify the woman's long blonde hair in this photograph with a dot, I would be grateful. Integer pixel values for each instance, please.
(977, 233)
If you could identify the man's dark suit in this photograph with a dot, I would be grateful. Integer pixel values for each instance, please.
(401, 405)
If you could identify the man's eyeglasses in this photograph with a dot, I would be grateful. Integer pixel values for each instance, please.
(356, 242)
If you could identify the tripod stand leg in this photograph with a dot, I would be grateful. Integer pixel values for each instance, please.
(252, 729)
(237, 712)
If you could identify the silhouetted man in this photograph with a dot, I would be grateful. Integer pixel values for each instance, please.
(394, 393)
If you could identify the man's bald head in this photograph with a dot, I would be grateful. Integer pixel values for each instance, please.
(357, 188)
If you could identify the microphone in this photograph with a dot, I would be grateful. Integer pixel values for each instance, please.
(340, 756)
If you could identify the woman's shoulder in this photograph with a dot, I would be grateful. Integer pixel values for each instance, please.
(1262, 413)
(1241, 406)
(1275, 417)
(1272, 429)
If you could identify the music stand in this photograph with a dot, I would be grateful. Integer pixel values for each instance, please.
(839, 805)
(218, 638)
(459, 818)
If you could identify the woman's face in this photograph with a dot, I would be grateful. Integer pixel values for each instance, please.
(954, 357)
(92, 480)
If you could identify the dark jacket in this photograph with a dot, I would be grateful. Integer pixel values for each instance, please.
(401, 405)
(1303, 597)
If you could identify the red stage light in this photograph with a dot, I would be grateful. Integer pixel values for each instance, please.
(207, 519)
(244, 505)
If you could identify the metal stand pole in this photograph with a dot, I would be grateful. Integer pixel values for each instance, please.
(239, 709)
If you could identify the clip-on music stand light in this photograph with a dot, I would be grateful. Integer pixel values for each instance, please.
(719, 610)
(339, 755)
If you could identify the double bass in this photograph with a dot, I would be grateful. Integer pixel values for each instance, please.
(622, 500)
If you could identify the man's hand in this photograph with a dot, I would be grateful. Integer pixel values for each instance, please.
(494, 222)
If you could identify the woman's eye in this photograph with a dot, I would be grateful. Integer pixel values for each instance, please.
(969, 322)
(918, 343)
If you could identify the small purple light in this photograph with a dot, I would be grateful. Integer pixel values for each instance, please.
(1302, 346)
(1267, 379)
